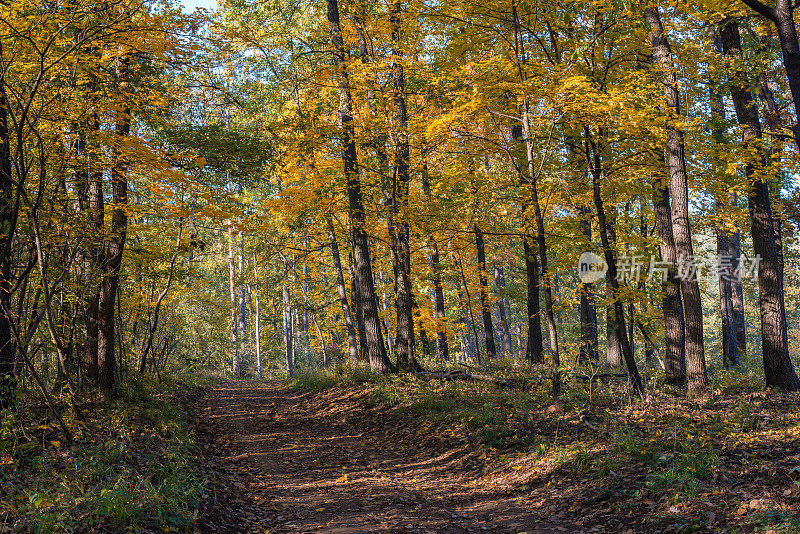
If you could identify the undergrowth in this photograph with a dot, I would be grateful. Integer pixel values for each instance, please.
(665, 451)
(132, 467)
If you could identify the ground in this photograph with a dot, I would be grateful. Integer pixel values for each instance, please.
(408, 454)
(286, 460)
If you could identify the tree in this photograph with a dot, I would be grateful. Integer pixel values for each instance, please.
(778, 369)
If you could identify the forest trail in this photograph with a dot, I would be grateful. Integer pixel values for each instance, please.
(285, 460)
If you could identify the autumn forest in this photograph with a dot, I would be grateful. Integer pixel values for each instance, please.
(525, 266)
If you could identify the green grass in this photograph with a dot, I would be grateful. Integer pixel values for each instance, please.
(133, 467)
(340, 375)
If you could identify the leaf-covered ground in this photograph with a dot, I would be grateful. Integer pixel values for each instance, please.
(413, 455)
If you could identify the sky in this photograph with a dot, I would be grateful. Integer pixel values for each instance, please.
(190, 5)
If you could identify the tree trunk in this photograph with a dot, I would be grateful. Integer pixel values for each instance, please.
(362, 332)
(614, 356)
(400, 179)
(503, 309)
(288, 325)
(242, 297)
(730, 348)
(106, 361)
(672, 305)
(676, 162)
(364, 283)
(778, 368)
(588, 311)
(438, 298)
(352, 343)
(613, 283)
(737, 298)
(470, 317)
(486, 311)
(8, 376)
(534, 351)
(95, 256)
(232, 292)
(258, 319)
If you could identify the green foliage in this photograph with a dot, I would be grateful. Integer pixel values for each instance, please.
(135, 468)
(340, 375)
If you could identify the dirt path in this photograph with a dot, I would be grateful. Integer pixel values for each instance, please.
(289, 461)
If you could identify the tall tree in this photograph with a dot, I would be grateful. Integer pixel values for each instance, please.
(676, 162)
(364, 282)
(778, 368)
(486, 311)
(401, 247)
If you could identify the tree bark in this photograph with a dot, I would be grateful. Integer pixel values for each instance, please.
(672, 304)
(503, 309)
(486, 311)
(778, 368)
(106, 361)
(697, 376)
(534, 351)
(352, 343)
(288, 324)
(588, 310)
(232, 292)
(8, 375)
(259, 371)
(364, 282)
(400, 180)
(614, 356)
(609, 246)
(438, 298)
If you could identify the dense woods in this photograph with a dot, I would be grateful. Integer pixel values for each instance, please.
(276, 187)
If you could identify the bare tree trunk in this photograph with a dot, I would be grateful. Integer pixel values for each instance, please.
(608, 248)
(737, 294)
(365, 285)
(352, 342)
(672, 304)
(95, 257)
(258, 318)
(486, 312)
(106, 362)
(8, 375)
(242, 297)
(614, 356)
(534, 351)
(503, 309)
(676, 162)
(401, 178)
(730, 348)
(438, 298)
(288, 326)
(588, 311)
(362, 332)
(232, 292)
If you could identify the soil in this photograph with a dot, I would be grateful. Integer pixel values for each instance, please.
(285, 460)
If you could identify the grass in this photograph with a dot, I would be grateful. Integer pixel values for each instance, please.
(132, 467)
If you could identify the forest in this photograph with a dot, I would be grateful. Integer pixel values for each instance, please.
(460, 266)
